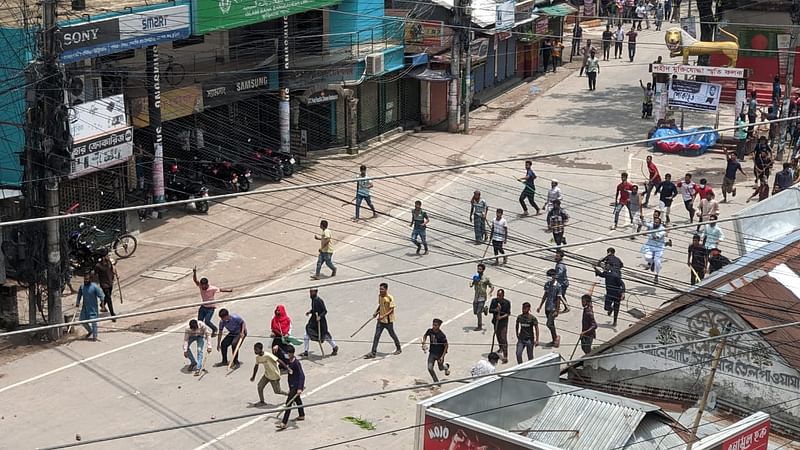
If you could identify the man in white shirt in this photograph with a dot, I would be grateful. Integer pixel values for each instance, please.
(553, 194)
(485, 367)
(499, 236)
(196, 332)
(712, 234)
(687, 190)
(619, 38)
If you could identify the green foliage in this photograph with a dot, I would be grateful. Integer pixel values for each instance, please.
(362, 423)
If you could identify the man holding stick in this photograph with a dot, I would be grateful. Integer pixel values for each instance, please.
(317, 326)
(205, 313)
(297, 383)
(501, 310)
(196, 332)
(551, 299)
(237, 331)
(385, 321)
(272, 374)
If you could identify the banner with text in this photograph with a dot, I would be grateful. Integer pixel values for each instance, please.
(694, 95)
(101, 152)
(212, 15)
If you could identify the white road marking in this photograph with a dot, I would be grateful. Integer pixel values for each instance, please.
(317, 389)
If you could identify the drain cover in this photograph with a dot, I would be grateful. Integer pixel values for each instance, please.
(169, 273)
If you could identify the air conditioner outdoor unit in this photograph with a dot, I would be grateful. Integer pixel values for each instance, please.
(374, 64)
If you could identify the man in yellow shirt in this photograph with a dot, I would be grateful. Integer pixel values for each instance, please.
(325, 250)
(272, 374)
(385, 316)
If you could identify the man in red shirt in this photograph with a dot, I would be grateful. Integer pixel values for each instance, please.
(654, 179)
(622, 198)
(703, 189)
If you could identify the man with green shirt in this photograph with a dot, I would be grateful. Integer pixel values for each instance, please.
(483, 289)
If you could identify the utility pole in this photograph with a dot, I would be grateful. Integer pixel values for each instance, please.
(795, 16)
(453, 110)
(54, 144)
(468, 70)
(284, 107)
(709, 383)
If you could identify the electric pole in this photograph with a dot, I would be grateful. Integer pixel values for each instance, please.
(468, 70)
(790, 57)
(709, 383)
(453, 110)
(54, 142)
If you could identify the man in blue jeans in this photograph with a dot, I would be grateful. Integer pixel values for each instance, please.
(207, 293)
(196, 332)
(363, 185)
(419, 223)
(90, 293)
(325, 250)
(237, 330)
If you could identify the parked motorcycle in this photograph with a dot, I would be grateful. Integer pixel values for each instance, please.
(179, 188)
(88, 245)
(225, 174)
(262, 163)
(288, 161)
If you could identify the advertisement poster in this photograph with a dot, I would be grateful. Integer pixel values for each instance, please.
(441, 435)
(694, 95)
(753, 438)
(97, 117)
(212, 15)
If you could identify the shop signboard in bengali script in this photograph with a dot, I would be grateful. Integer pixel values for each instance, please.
(212, 15)
(101, 152)
(753, 438)
(694, 95)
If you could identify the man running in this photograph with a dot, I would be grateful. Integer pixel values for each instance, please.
(667, 192)
(688, 191)
(551, 299)
(272, 374)
(712, 234)
(499, 237)
(708, 207)
(697, 261)
(439, 347)
(363, 186)
(501, 310)
(732, 165)
(196, 332)
(554, 194)
(205, 313)
(527, 331)
(384, 316)
(611, 264)
(91, 294)
(529, 191)
(615, 292)
(556, 220)
(483, 289)
(653, 249)
(297, 384)
(317, 326)
(237, 331)
(622, 199)
(419, 225)
(325, 250)
(653, 180)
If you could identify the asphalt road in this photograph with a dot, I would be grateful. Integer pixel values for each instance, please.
(133, 382)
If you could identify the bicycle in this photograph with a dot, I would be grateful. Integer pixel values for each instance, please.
(175, 72)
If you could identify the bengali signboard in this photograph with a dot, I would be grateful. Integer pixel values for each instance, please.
(124, 32)
(694, 95)
(97, 117)
(680, 69)
(212, 15)
(753, 438)
(101, 152)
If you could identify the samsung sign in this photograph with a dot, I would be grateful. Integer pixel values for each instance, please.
(125, 32)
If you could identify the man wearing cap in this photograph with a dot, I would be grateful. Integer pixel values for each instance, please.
(483, 288)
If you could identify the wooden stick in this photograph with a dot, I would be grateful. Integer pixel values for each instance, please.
(362, 326)
(575, 348)
(119, 287)
(287, 405)
(695, 274)
(75, 316)
(319, 335)
(236, 352)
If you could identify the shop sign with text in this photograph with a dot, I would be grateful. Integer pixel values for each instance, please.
(175, 104)
(229, 90)
(211, 15)
(97, 117)
(122, 33)
(101, 152)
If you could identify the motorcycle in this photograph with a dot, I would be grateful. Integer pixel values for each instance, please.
(231, 177)
(88, 245)
(182, 189)
(289, 162)
(262, 163)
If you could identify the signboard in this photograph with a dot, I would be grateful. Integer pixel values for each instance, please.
(212, 15)
(101, 152)
(174, 104)
(753, 438)
(426, 33)
(322, 97)
(441, 435)
(505, 15)
(694, 95)
(680, 69)
(542, 26)
(97, 117)
(234, 88)
(479, 48)
(125, 32)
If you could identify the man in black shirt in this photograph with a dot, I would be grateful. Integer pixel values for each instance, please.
(439, 347)
(527, 332)
(608, 36)
(716, 261)
(501, 310)
(611, 264)
(783, 179)
(698, 259)
(615, 292)
(667, 191)
(732, 166)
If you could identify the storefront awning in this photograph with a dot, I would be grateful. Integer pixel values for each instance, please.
(427, 74)
(559, 10)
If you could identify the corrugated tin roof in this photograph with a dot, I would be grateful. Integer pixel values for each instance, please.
(591, 420)
(654, 433)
